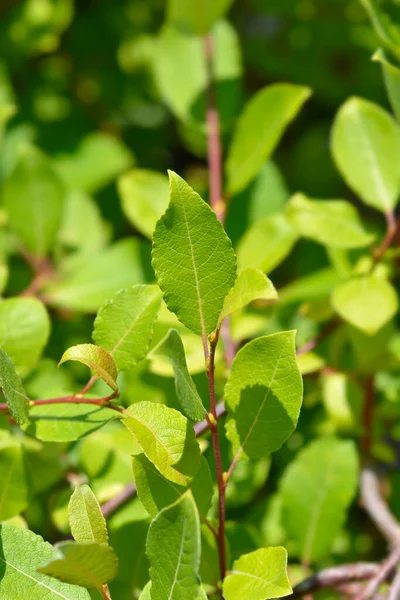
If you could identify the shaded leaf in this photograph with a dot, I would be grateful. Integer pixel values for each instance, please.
(171, 348)
(124, 324)
(21, 551)
(167, 439)
(368, 302)
(14, 495)
(196, 16)
(365, 144)
(256, 137)
(88, 565)
(331, 222)
(156, 492)
(97, 359)
(13, 390)
(251, 284)
(67, 422)
(391, 76)
(193, 259)
(85, 517)
(317, 489)
(258, 575)
(263, 395)
(173, 548)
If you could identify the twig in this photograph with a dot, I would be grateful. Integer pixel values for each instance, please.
(335, 576)
(385, 570)
(377, 508)
(367, 416)
(391, 231)
(73, 399)
(394, 593)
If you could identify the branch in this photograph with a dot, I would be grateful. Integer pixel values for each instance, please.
(73, 399)
(384, 572)
(391, 231)
(368, 415)
(395, 588)
(335, 576)
(376, 507)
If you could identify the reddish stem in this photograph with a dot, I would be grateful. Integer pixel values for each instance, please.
(72, 400)
(213, 137)
(368, 415)
(392, 228)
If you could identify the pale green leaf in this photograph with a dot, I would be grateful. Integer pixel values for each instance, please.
(196, 16)
(316, 286)
(251, 284)
(124, 324)
(266, 243)
(167, 439)
(21, 552)
(97, 359)
(67, 422)
(173, 548)
(367, 302)
(391, 76)
(33, 196)
(156, 492)
(89, 565)
(342, 399)
(258, 575)
(14, 492)
(24, 331)
(334, 223)
(87, 281)
(263, 395)
(193, 259)
(83, 228)
(365, 146)
(13, 390)
(85, 517)
(317, 489)
(95, 163)
(171, 348)
(144, 198)
(259, 129)
(180, 72)
(146, 592)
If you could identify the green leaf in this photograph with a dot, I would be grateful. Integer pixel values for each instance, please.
(87, 281)
(173, 548)
(342, 399)
(13, 390)
(365, 144)
(67, 422)
(97, 359)
(167, 439)
(367, 302)
(391, 76)
(24, 331)
(144, 198)
(331, 222)
(263, 395)
(193, 259)
(124, 324)
(21, 551)
(251, 284)
(317, 489)
(258, 575)
(256, 135)
(89, 565)
(181, 74)
(33, 196)
(171, 348)
(95, 163)
(196, 16)
(146, 592)
(14, 495)
(85, 517)
(156, 492)
(266, 243)
(83, 228)
(316, 286)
